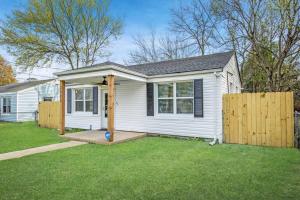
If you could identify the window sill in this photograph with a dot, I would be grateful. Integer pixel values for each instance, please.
(174, 116)
(88, 114)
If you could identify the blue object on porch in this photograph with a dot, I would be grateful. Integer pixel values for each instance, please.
(107, 135)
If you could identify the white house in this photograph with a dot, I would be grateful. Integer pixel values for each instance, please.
(177, 97)
(19, 101)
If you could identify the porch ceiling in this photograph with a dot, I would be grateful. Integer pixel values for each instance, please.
(93, 80)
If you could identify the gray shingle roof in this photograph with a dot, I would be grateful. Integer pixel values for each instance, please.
(191, 64)
(198, 63)
(21, 86)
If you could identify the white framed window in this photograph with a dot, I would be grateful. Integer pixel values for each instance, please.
(165, 98)
(175, 98)
(6, 105)
(83, 99)
(184, 97)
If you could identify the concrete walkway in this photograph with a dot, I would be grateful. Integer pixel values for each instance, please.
(42, 149)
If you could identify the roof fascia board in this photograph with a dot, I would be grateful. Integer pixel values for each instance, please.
(7, 93)
(100, 73)
(101, 68)
(181, 76)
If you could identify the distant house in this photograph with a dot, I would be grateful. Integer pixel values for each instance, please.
(19, 101)
(175, 97)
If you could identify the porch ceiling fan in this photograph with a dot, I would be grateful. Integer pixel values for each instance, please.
(104, 82)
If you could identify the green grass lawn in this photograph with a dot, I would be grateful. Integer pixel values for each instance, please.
(154, 168)
(19, 136)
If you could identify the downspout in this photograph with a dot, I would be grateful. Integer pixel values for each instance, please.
(216, 140)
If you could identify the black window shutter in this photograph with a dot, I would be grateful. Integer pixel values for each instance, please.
(95, 100)
(150, 99)
(198, 98)
(69, 100)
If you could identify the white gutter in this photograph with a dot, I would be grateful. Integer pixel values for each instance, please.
(100, 68)
(187, 73)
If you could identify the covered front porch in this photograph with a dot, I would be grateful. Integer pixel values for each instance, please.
(105, 77)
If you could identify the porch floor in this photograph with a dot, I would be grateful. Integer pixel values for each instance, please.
(98, 136)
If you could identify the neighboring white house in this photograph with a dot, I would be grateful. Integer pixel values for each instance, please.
(176, 97)
(19, 101)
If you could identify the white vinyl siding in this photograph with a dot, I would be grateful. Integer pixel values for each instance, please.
(131, 112)
(131, 107)
(229, 75)
(84, 120)
(24, 103)
(28, 101)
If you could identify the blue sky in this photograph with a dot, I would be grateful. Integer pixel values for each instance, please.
(138, 15)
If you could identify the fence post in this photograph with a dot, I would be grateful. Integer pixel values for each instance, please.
(297, 131)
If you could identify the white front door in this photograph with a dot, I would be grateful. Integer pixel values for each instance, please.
(104, 108)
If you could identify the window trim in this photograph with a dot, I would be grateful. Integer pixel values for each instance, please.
(84, 100)
(2, 105)
(156, 98)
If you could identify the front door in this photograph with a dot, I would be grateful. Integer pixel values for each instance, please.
(104, 109)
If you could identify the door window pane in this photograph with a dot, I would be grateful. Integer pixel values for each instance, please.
(165, 90)
(165, 106)
(184, 89)
(184, 106)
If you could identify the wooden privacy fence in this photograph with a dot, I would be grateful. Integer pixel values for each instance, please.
(49, 114)
(265, 119)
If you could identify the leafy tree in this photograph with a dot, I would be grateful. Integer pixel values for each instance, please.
(6, 73)
(69, 31)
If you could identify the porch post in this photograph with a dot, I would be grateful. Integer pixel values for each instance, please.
(111, 106)
(62, 107)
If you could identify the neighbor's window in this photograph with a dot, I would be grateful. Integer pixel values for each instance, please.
(83, 100)
(184, 97)
(6, 105)
(175, 97)
(165, 98)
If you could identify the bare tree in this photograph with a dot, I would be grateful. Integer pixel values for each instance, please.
(270, 30)
(195, 23)
(153, 49)
(71, 31)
